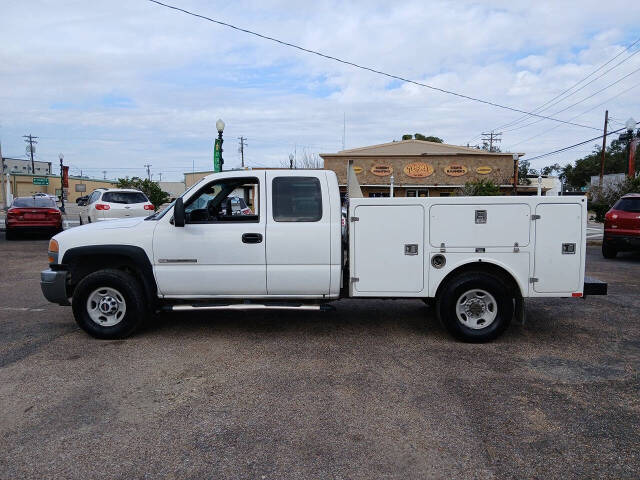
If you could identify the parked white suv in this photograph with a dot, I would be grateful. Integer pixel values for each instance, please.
(112, 203)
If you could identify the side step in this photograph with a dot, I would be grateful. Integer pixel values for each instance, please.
(248, 306)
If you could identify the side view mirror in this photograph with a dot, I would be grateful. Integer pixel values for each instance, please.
(178, 213)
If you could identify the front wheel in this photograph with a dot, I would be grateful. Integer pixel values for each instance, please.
(475, 306)
(109, 304)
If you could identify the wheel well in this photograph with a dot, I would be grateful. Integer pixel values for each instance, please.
(81, 263)
(484, 267)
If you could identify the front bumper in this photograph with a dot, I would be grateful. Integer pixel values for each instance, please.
(54, 286)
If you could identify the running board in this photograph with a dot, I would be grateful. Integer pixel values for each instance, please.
(248, 306)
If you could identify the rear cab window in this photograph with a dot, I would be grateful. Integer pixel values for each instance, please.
(124, 197)
(297, 199)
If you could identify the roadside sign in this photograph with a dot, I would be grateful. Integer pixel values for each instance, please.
(217, 155)
(40, 181)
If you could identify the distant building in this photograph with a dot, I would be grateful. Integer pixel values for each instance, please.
(20, 165)
(174, 189)
(422, 169)
(608, 180)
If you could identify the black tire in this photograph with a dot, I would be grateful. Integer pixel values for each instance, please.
(136, 310)
(80, 217)
(10, 235)
(608, 251)
(455, 291)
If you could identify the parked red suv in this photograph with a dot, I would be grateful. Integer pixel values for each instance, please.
(622, 226)
(32, 213)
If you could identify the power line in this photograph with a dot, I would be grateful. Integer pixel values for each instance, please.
(548, 104)
(580, 114)
(578, 102)
(362, 67)
(575, 145)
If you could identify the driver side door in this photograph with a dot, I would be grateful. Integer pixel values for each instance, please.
(214, 254)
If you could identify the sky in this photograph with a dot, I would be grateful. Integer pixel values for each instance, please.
(114, 85)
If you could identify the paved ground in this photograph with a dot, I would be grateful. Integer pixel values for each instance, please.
(373, 390)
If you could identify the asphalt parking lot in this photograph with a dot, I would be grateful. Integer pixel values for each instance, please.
(375, 389)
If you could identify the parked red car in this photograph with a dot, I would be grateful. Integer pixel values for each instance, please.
(32, 214)
(622, 226)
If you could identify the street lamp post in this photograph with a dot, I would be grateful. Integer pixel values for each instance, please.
(218, 161)
(391, 186)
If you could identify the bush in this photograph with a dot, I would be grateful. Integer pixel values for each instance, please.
(151, 189)
(605, 198)
(479, 188)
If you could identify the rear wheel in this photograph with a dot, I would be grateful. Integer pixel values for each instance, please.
(109, 304)
(608, 251)
(475, 306)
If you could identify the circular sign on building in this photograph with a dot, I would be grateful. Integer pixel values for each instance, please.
(382, 170)
(455, 170)
(484, 170)
(418, 170)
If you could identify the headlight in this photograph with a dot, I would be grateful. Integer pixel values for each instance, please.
(53, 251)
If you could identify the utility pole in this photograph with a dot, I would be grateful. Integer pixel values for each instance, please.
(4, 190)
(30, 139)
(241, 148)
(344, 128)
(148, 167)
(160, 176)
(490, 138)
(291, 161)
(604, 146)
(104, 173)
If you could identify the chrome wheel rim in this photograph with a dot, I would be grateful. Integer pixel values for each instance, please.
(476, 309)
(106, 306)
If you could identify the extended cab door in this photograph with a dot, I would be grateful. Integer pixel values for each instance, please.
(216, 253)
(298, 233)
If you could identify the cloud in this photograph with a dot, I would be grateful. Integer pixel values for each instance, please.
(115, 85)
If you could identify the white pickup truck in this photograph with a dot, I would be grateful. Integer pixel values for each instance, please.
(475, 258)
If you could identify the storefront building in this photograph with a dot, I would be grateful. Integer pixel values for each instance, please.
(421, 169)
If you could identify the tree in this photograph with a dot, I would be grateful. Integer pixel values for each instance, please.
(478, 188)
(615, 161)
(550, 169)
(151, 189)
(419, 136)
(308, 160)
(523, 171)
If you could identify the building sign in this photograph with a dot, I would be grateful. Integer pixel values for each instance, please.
(484, 170)
(40, 181)
(382, 170)
(81, 187)
(418, 170)
(65, 176)
(455, 170)
(357, 169)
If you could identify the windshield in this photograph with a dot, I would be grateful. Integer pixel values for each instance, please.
(124, 197)
(161, 213)
(34, 202)
(630, 204)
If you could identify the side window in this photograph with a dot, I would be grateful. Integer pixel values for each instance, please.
(297, 199)
(229, 200)
(94, 196)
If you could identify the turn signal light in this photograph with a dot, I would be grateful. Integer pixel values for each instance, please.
(102, 206)
(53, 251)
(148, 207)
